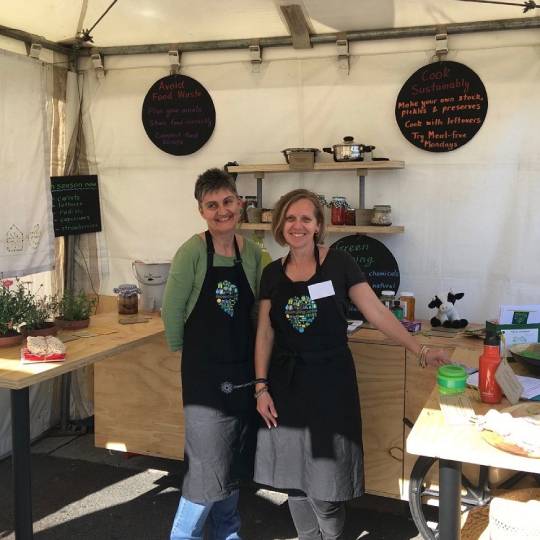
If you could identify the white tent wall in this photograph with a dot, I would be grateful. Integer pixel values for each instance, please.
(470, 215)
(42, 411)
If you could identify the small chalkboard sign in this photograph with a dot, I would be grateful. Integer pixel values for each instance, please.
(441, 106)
(375, 260)
(75, 204)
(178, 115)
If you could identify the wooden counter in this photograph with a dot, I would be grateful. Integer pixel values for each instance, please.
(111, 339)
(138, 401)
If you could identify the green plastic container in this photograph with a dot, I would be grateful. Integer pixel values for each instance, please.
(451, 379)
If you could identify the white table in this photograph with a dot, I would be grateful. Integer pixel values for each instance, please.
(454, 445)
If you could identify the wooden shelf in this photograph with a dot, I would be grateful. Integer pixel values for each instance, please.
(345, 229)
(318, 167)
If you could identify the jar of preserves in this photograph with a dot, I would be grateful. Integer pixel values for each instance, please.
(382, 215)
(128, 299)
(407, 301)
(350, 216)
(339, 209)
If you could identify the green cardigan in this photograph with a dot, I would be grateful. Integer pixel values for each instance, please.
(185, 281)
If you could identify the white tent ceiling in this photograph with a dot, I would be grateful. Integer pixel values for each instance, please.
(134, 22)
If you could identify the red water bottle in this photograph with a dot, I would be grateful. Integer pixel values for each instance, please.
(490, 391)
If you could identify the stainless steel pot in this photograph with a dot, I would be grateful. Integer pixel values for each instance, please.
(347, 151)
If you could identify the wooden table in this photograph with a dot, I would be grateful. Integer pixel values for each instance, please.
(110, 338)
(454, 445)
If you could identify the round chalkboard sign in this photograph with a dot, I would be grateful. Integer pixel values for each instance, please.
(376, 261)
(441, 107)
(178, 115)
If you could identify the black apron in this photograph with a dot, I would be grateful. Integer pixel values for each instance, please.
(317, 446)
(218, 348)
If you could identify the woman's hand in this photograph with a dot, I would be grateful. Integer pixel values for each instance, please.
(265, 407)
(437, 357)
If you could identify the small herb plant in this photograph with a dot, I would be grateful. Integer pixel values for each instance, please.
(39, 313)
(74, 306)
(15, 303)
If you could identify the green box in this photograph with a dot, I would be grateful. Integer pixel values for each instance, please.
(515, 333)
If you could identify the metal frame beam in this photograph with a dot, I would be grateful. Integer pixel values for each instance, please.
(286, 41)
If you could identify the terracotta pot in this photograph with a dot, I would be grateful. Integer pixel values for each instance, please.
(11, 340)
(50, 329)
(71, 325)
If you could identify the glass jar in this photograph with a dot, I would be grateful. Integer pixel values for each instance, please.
(128, 299)
(339, 209)
(382, 215)
(407, 301)
(251, 201)
(388, 298)
(350, 216)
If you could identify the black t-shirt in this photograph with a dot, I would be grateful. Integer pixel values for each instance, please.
(338, 266)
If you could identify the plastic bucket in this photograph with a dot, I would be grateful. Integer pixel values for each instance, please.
(152, 278)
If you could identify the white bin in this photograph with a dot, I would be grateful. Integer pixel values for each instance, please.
(152, 278)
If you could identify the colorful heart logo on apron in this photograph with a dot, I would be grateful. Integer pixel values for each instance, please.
(227, 296)
(300, 311)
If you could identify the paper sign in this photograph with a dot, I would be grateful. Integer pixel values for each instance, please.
(508, 382)
(321, 290)
(527, 314)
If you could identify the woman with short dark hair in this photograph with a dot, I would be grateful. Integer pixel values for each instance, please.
(207, 312)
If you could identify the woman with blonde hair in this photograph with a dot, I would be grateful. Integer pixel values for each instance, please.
(311, 442)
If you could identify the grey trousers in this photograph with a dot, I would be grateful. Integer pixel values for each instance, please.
(317, 520)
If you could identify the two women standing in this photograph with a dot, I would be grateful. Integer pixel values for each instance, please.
(310, 440)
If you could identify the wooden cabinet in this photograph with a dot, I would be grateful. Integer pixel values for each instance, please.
(138, 402)
(361, 169)
(380, 373)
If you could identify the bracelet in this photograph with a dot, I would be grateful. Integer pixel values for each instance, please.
(261, 380)
(422, 356)
(260, 392)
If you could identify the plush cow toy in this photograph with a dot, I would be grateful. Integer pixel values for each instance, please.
(447, 314)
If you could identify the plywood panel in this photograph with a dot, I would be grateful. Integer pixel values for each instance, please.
(138, 405)
(380, 372)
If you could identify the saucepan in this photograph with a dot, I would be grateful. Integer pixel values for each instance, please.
(348, 150)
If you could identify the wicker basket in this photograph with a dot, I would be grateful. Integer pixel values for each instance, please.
(512, 515)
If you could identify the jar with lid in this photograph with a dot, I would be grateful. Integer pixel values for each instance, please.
(251, 201)
(388, 298)
(407, 301)
(382, 215)
(339, 209)
(128, 299)
(350, 216)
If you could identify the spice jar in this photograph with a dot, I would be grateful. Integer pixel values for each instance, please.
(407, 301)
(350, 216)
(339, 209)
(128, 299)
(382, 215)
(388, 298)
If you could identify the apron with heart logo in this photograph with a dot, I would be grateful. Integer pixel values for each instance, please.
(317, 446)
(218, 348)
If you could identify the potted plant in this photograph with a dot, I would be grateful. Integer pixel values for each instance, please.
(38, 320)
(14, 303)
(73, 310)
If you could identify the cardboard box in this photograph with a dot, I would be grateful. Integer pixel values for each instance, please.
(515, 333)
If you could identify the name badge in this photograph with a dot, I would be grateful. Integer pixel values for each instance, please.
(321, 290)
